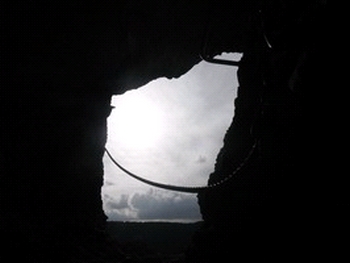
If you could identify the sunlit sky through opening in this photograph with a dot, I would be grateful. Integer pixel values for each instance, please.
(168, 131)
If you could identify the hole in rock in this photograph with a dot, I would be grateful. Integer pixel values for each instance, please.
(168, 131)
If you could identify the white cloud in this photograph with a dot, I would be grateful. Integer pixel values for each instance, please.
(117, 207)
(121, 202)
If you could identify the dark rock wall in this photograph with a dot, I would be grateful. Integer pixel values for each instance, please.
(60, 64)
(56, 65)
(288, 195)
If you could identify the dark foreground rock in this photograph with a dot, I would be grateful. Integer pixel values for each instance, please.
(61, 61)
(166, 241)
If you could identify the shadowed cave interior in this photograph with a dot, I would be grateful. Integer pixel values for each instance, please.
(62, 61)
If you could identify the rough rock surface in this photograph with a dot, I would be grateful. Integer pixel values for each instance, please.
(62, 61)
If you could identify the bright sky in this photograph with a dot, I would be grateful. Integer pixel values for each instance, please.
(168, 131)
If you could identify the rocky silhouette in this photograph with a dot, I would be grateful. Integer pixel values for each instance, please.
(61, 61)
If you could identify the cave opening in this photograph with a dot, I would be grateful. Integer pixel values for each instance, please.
(168, 131)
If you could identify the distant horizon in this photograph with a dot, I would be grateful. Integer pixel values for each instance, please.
(156, 222)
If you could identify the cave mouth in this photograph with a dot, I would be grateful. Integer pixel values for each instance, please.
(168, 131)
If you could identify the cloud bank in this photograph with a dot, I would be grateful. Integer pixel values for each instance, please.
(153, 205)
